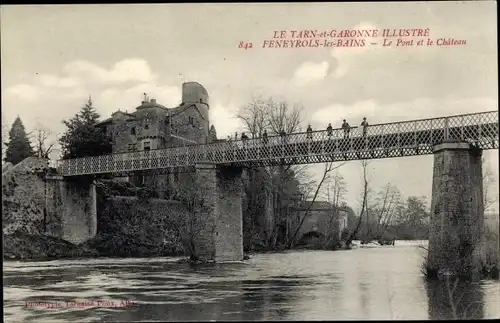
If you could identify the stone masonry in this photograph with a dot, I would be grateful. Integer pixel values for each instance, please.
(456, 209)
(218, 234)
(71, 206)
(36, 202)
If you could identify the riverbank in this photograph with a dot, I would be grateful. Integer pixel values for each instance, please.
(23, 246)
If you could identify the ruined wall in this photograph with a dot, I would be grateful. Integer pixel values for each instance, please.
(36, 203)
(457, 212)
(23, 197)
(7, 166)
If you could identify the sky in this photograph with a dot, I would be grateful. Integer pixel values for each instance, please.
(54, 57)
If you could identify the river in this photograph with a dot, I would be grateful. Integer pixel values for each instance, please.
(377, 283)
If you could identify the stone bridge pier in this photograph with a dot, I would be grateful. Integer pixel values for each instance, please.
(71, 208)
(457, 211)
(218, 233)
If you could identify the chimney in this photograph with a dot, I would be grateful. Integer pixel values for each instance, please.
(153, 101)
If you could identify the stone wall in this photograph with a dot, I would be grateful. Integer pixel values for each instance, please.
(324, 221)
(73, 208)
(457, 212)
(198, 130)
(36, 203)
(229, 224)
(204, 216)
(218, 220)
(316, 221)
(7, 166)
(130, 226)
(23, 197)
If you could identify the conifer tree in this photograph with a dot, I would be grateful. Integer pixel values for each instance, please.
(19, 147)
(82, 138)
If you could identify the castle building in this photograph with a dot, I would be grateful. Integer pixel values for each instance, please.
(154, 126)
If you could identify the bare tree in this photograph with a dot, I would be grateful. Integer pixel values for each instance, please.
(335, 195)
(43, 142)
(276, 117)
(364, 198)
(328, 169)
(388, 200)
(284, 117)
(488, 182)
(255, 116)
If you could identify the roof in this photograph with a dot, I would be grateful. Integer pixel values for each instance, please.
(104, 122)
(316, 206)
(150, 104)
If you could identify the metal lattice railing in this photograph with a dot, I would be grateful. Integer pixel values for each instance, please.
(416, 137)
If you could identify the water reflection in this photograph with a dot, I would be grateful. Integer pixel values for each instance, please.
(453, 300)
(382, 283)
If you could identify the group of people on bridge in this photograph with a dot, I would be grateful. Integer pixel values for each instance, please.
(345, 126)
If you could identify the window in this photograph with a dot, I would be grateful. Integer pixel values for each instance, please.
(146, 126)
(147, 145)
(131, 147)
(132, 131)
(191, 120)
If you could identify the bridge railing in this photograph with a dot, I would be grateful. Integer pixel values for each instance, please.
(397, 134)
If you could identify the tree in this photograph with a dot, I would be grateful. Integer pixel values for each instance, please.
(82, 138)
(388, 202)
(19, 146)
(43, 146)
(488, 182)
(328, 168)
(255, 116)
(411, 219)
(275, 117)
(5, 133)
(335, 195)
(364, 202)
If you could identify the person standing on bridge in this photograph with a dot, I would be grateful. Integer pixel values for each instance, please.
(309, 132)
(346, 128)
(244, 138)
(235, 136)
(329, 130)
(364, 124)
(283, 135)
(264, 137)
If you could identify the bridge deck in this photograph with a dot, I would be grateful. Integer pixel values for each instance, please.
(416, 137)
